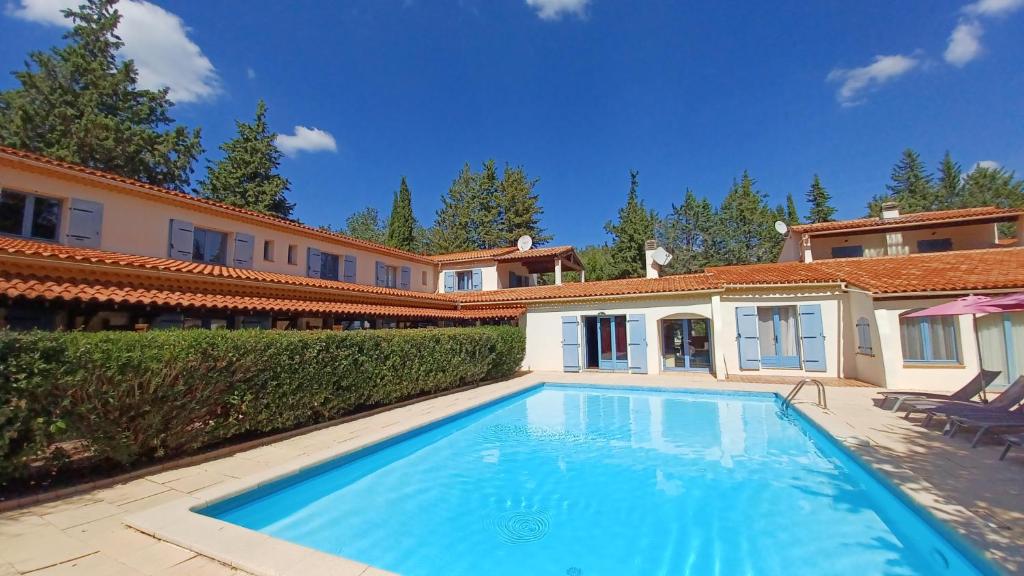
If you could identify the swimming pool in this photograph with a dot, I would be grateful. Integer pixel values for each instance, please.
(583, 481)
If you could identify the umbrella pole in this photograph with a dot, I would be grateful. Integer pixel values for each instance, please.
(977, 345)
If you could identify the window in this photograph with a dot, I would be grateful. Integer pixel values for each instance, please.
(329, 265)
(930, 339)
(847, 251)
(391, 276)
(268, 250)
(423, 277)
(293, 254)
(778, 338)
(935, 245)
(464, 280)
(209, 246)
(863, 336)
(29, 215)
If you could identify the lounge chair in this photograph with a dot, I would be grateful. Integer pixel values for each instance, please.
(970, 390)
(1011, 441)
(1002, 420)
(1002, 403)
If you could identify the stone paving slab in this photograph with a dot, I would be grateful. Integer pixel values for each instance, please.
(969, 488)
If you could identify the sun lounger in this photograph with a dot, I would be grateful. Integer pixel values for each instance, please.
(1006, 400)
(964, 394)
(1005, 420)
(1011, 441)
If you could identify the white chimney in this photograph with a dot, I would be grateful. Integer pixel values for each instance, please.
(890, 210)
(655, 258)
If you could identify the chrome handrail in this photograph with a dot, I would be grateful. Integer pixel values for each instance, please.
(822, 401)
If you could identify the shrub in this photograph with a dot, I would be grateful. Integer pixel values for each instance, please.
(132, 397)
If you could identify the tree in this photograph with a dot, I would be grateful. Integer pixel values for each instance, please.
(520, 208)
(401, 229)
(910, 186)
(819, 199)
(950, 185)
(686, 232)
(365, 225)
(744, 231)
(78, 103)
(247, 174)
(454, 220)
(635, 226)
(791, 216)
(597, 262)
(992, 186)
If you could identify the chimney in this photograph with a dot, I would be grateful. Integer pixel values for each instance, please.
(890, 210)
(649, 248)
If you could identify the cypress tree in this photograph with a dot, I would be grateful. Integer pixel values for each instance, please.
(247, 174)
(819, 199)
(791, 216)
(950, 185)
(401, 229)
(78, 103)
(635, 226)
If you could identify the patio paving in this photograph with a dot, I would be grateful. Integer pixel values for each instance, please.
(86, 534)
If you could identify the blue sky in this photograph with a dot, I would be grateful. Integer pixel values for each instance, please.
(581, 91)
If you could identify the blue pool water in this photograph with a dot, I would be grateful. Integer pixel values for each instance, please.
(587, 481)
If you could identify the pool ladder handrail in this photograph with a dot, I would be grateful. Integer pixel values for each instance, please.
(822, 401)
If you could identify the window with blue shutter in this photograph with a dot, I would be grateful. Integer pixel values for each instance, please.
(637, 334)
(244, 244)
(570, 344)
(313, 261)
(449, 281)
(405, 279)
(179, 245)
(864, 336)
(85, 224)
(350, 269)
(478, 279)
(746, 338)
(812, 334)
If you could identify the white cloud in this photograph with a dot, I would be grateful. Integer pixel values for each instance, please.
(854, 81)
(555, 9)
(990, 164)
(993, 7)
(306, 140)
(250, 73)
(157, 40)
(964, 43)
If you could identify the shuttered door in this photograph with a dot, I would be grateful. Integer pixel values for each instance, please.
(637, 334)
(570, 344)
(746, 337)
(812, 335)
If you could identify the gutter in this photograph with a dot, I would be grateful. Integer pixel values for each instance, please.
(586, 298)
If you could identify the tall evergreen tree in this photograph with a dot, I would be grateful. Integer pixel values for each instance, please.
(686, 233)
(78, 103)
(636, 225)
(365, 225)
(452, 231)
(486, 209)
(950, 185)
(985, 186)
(597, 262)
(745, 231)
(247, 174)
(401, 229)
(910, 186)
(791, 215)
(519, 207)
(820, 201)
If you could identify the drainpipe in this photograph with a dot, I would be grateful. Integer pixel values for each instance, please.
(558, 271)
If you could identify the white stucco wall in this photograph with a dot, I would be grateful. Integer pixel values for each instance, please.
(902, 242)
(862, 366)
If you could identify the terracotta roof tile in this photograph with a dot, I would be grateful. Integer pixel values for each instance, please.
(471, 255)
(69, 290)
(628, 286)
(22, 155)
(547, 251)
(918, 218)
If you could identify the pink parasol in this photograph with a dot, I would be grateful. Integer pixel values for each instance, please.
(965, 305)
(1010, 303)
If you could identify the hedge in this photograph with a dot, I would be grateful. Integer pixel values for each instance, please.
(132, 397)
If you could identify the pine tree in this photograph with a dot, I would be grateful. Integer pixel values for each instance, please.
(635, 226)
(985, 186)
(686, 232)
(597, 261)
(819, 200)
(910, 187)
(365, 225)
(78, 103)
(950, 185)
(454, 221)
(791, 215)
(486, 208)
(745, 231)
(247, 174)
(401, 229)
(520, 208)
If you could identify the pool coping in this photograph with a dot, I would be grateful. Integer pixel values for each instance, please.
(179, 522)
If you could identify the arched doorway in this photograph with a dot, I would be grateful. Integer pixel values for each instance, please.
(686, 344)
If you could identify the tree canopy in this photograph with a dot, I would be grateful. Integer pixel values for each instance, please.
(78, 103)
(820, 202)
(365, 225)
(635, 225)
(401, 228)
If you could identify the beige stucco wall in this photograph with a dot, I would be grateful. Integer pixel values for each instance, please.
(862, 366)
(141, 225)
(896, 243)
(493, 275)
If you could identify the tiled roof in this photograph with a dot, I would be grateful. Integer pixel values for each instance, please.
(485, 254)
(624, 287)
(16, 154)
(915, 219)
(547, 251)
(108, 293)
(46, 250)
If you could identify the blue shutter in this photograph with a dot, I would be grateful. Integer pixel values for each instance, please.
(813, 337)
(312, 262)
(405, 279)
(350, 269)
(449, 281)
(478, 279)
(244, 244)
(637, 334)
(179, 245)
(570, 344)
(86, 223)
(381, 274)
(746, 337)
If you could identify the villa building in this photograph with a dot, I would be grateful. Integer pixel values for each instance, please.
(83, 249)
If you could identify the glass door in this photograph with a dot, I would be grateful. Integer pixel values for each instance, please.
(612, 349)
(777, 336)
(686, 344)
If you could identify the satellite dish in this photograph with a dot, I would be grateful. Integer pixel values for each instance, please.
(661, 256)
(782, 228)
(524, 243)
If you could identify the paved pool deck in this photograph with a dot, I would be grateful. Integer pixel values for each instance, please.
(970, 489)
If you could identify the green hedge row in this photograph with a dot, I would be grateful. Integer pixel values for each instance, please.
(131, 397)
